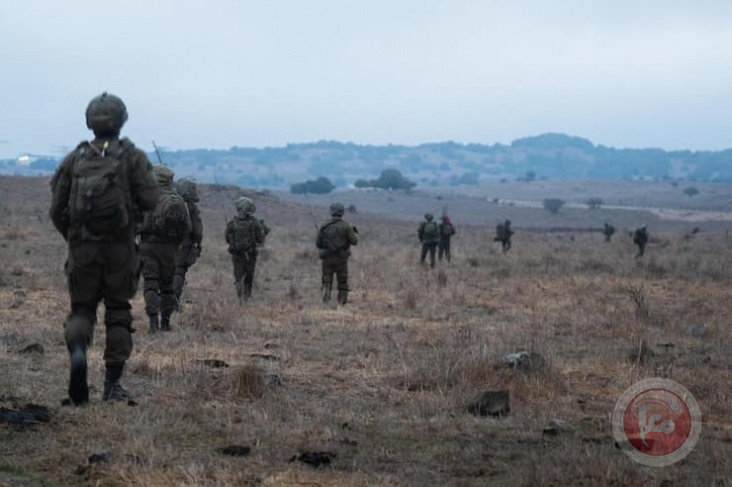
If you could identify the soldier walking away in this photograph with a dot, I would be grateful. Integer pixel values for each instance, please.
(96, 192)
(163, 230)
(447, 230)
(429, 234)
(334, 241)
(244, 234)
(190, 250)
(503, 235)
(608, 231)
(640, 238)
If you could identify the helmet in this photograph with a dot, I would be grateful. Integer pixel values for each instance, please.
(337, 209)
(245, 206)
(428, 216)
(188, 189)
(106, 113)
(163, 174)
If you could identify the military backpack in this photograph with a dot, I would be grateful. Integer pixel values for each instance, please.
(334, 240)
(430, 230)
(100, 194)
(243, 235)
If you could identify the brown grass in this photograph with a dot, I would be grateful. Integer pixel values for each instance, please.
(382, 382)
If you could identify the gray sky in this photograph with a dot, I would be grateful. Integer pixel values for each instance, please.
(269, 72)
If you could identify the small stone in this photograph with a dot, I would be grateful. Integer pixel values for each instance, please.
(28, 415)
(32, 348)
(99, 458)
(272, 379)
(698, 331)
(265, 356)
(490, 403)
(557, 427)
(314, 458)
(213, 362)
(235, 450)
(525, 361)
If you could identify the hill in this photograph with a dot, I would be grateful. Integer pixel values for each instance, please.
(547, 156)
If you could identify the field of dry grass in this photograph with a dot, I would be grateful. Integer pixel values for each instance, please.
(383, 382)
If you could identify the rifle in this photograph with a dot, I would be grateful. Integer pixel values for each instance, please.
(157, 153)
(221, 198)
(310, 209)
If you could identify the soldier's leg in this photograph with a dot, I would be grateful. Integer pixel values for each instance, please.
(120, 284)
(433, 248)
(179, 280)
(238, 264)
(447, 249)
(250, 265)
(151, 284)
(423, 255)
(167, 296)
(341, 270)
(440, 250)
(327, 278)
(84, 279)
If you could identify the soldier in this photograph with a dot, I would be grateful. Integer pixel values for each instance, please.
(429, 234)
(334, 241)
(96, 192)
(163, 230)
(244, 234)
(608, 231)
(640, 238)
(190, 250)
(447, 230)
(503, 235)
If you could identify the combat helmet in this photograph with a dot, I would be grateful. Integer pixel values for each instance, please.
(245, 206)
(188, 189)
(164, 175)
(429, 217)
(337, 209)
(106, 114)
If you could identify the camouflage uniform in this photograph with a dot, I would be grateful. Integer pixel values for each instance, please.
(640, 238)
(447, 230)
(244, 234)
(158, 251)
(334, 241)
(101, 266)
(190, 250)
(429, 242)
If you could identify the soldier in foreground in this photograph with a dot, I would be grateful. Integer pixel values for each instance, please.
(96, 192)
(163, 230)
(640, 238)
(429, 235)
(245, 235)
(190, 250)
(447, 230)
(608, 231)
(503, 235)
(334, 241)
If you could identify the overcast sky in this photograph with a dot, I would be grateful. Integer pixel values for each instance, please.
(261, 73)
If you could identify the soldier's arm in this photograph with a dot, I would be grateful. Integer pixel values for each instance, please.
(420, 231)
(258, 233)
(352, 236)
(143, 185)
(60, 192)
(319, 239)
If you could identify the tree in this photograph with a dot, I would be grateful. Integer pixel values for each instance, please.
(361, 183)
(393, 179)
(691, 191)
(322, 185)
(553, 205)
(594, 203)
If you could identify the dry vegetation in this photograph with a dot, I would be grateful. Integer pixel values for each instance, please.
(383, 382)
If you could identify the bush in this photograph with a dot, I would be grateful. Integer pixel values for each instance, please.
(322, 185)
(691, 191)
(594, 203)
(553, 205)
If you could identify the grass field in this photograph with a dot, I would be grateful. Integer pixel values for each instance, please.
(383, 382)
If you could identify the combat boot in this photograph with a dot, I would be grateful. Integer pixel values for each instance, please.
(78, 385)
(113, 392)
(165, 321)
(154, 323)
(342, 297)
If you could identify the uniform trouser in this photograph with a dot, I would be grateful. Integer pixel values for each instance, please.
(184, 258)
(97, 271)
(244, 267)
(641, 248)
(430, 247)
(444, 248)
(506, 244)
(158, 267)
(338, 266)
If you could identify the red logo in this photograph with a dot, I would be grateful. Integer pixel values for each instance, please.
(657, 422)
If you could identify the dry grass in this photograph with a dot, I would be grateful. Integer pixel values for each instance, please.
(383, 382)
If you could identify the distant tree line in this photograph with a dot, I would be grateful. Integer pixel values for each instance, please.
(389, 179)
